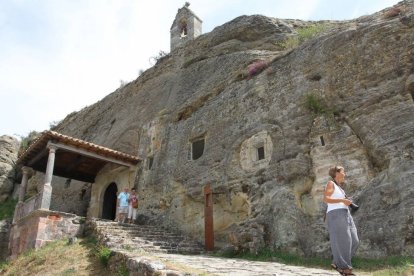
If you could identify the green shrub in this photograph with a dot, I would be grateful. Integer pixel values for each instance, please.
(315, 104)
(308, 32)
(103, 253)
(27, 141)
(3, 266)
(304, 33)
(53, 125)
(7, 208)
(123, 270)
(91, 240)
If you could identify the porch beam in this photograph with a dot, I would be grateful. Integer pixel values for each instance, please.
(89, 154)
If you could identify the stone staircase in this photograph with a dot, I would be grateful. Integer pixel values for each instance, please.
(143, 238)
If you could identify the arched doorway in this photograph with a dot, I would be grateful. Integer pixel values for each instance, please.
(109, 202)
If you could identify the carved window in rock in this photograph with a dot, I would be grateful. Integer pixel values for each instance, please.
(256, 151)
(412, 95)
(197, 149)
(150, 162)
(322, 140)
(260, 153)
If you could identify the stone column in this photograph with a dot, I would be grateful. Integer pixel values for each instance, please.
(47, 187)
(23, 185)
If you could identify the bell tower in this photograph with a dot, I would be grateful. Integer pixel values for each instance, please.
(186, 26)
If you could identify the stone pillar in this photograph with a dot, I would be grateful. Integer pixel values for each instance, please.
(50, 165)
(47, 187)
(23, 185)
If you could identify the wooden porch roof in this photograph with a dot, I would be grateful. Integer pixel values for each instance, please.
(75, 158)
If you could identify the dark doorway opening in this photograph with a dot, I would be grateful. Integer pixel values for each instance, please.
(109, 202)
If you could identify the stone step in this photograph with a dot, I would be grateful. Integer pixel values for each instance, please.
(148, 238)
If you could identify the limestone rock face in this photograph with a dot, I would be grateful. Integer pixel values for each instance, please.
(9, 147)
(202, 115)
(5, 226)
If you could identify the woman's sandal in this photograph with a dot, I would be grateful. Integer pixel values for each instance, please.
(348, 272)
(337, 269)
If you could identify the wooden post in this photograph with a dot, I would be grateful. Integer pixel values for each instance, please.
(208, 218)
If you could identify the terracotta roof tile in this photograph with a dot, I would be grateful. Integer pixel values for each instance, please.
(48, 135)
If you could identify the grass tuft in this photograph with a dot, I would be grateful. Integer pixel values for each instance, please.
(304, 33)
(393, 265)
(7, 208)
(315, 104)
(57, 258)
(123, 270)
(104, 254)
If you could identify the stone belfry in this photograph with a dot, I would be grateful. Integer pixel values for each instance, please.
(186, 26)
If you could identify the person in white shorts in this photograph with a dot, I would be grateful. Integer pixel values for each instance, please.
(123, 205)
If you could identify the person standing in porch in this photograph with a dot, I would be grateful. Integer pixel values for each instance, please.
(123, 205)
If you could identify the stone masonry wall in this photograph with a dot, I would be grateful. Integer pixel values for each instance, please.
(41, 227)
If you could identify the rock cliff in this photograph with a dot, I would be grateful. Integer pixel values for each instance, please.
(260, 110)
(9, 147)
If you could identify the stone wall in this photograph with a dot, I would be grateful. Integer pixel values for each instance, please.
(41, 227)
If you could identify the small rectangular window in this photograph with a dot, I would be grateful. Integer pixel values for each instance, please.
(322, 141)
(197, 149)
(150, 161)
(260, 153)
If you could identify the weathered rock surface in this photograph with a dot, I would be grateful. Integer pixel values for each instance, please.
(9, 147)
(363, 70)
(5, 226)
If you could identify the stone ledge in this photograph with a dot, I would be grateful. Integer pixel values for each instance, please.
(44, 213)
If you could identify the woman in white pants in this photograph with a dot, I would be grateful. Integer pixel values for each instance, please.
(342, 231)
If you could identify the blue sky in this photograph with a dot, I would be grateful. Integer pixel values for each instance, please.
(58, 56)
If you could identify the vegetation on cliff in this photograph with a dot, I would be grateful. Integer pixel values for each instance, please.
(7, 209)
